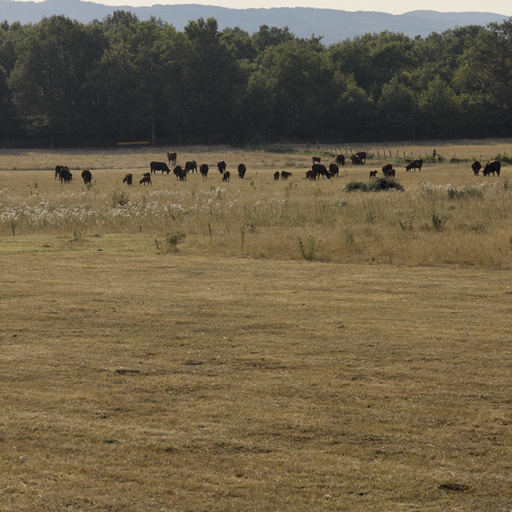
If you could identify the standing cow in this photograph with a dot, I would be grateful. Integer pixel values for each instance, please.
(476, 166)
(221, 165)
(414, 164)
(241, 171)
(340, 159)
(172, 158)
(493, 166)
(86, 176)
(128, 179)
(191, 166)
(203, 169)
(159, 166)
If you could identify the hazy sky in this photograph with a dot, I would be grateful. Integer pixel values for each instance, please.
(391, 6)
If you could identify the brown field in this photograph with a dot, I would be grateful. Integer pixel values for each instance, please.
(255, 345)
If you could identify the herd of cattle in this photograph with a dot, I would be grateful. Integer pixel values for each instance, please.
(317, 169)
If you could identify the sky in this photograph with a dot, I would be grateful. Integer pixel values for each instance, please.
(390, 6)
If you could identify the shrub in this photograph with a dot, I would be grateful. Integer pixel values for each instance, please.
(375, 185)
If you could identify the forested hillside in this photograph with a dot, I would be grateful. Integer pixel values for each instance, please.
(121, 79)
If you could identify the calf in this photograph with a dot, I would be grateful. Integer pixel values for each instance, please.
(146, 179)
(285, 175)
(373, 174)
(311, 175)
(226, 176)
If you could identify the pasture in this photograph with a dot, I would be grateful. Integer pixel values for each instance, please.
(256, 344)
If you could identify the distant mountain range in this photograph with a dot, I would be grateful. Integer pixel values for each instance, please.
(332, 25)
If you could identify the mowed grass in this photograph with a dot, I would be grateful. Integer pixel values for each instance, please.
(141, 374)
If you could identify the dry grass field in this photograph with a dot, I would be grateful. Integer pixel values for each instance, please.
(254, 345)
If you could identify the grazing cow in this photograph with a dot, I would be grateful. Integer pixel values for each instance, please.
(493, 166)
(180, 173)
(159, 166)
(321, 169)
(414, 164)
(285, 175)
(128, 179)
(191, 166)
(221, 166)
(386, 168)
(146, 179)
(316, 159)
(65, 175)
(86, 176)
(172, 158)
(476, 166)
(226, 176)
(373, 174)
(355, 160)
(276, 175)
(340, 160)
(362, 156)
(203, 169)
(311, 175)
(241, 171)
(58, 170)
(333, 170)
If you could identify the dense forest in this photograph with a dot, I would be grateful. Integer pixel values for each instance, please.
(121, 79)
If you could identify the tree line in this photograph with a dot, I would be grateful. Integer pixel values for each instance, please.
(121, 79)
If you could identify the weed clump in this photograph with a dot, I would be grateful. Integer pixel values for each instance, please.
(375, 185)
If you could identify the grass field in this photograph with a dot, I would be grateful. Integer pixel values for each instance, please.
(254, 345)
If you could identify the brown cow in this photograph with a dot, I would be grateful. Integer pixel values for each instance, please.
(128, 179)
(226, 176)
(159, 166)
(311, 175)
(333, 170)
(355, 160)
(414, 164)
(373, 174)
(285, 175)
(191, 166)
(58, 170)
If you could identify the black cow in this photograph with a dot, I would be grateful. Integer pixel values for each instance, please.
(285, 175)
(321, 169)
(493, 166)
(172, 158)
(355, 160)
(203, 169)
(146, 179)
(386, 168)
(340, 159)
(373, 174)
(241, 171)
(276, 175)
(476, 166)
(65, 175)
(58, 170)
(316, 159)
(414, 164)
(191, 166)
(362, 156)
(226, 176)
(180, 173)
(221, 166)
(333, 170)
(86, 176)
(128, 179)
(159, 166)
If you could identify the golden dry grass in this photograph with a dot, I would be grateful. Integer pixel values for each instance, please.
(137, 377)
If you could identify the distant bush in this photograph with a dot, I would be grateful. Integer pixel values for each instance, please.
(374, 186)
